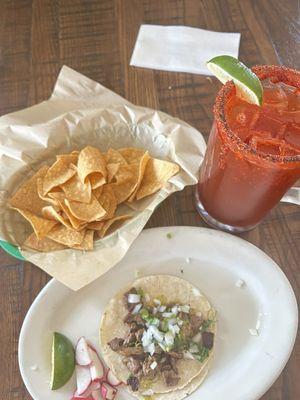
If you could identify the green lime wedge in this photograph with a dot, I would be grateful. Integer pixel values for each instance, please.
(63, 361)
(227, 68)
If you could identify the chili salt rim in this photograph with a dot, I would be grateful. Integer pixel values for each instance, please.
(284, 74)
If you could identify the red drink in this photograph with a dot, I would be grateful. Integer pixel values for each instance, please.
(253, 153)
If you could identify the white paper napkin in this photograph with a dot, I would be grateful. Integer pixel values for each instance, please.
(181, 48)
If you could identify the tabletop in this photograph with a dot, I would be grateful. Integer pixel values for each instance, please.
(96, 38)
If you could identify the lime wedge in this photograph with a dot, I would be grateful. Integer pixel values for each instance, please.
(248, 86)
(63, 361)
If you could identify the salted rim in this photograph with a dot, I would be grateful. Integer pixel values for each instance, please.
(284, 74)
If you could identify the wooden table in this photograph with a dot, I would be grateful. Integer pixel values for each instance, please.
(96, 37)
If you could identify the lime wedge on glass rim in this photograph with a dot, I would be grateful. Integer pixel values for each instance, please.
(62, 361)
(248, 86)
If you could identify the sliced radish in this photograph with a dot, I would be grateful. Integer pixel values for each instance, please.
(91, 388)
(112, 379)
(83, 379)
(81, 397)
(108, 392)
(96, 367)
(96, 395)
(82, 352)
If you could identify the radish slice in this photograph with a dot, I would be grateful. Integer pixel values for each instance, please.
(108, 392)
(87, 394)
(82, 352)
(112, 379)
(96, 367)
(83, 379)
(96, 395)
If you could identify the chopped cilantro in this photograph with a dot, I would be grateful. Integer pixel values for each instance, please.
(202, 355)
(141, 292)
(144, 313)
(206, 324)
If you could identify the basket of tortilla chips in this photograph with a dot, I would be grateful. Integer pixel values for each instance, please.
(79, 178)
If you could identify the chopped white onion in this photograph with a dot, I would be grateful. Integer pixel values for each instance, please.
(137, 308)
(133, 298)
(157, 302)
(185, 309)
(194, 348)
(179, 322)
(147, 338)
(153, 365)
(156, 333)
(197, 338)
(167, 314)
(174, 329)
(151, 349)
(172, 321)
(175, 310)
(162, 308)
(169, 338)
(188, 356)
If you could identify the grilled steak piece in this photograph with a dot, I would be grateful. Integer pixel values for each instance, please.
(173, 364)
(130, 339)
(196, 322)
(170, 377)
(147, 371)
(139, 334)
(175, 354)
(208, 340)
(133, 365)
(130, 351)
(134, 383)
(187, 330)
(116, 343)
(130, 318)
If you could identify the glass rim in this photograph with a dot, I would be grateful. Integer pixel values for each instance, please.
(286, 75)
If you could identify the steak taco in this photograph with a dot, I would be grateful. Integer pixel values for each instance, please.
(157, 335)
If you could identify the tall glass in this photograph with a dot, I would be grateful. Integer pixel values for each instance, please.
(253, 153)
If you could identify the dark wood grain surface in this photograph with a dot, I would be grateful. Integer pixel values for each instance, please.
(96, 37)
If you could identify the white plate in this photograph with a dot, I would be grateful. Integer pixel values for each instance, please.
(244, 367)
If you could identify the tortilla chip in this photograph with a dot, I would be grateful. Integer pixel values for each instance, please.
(88, 241)
(97, 192)
(43, 245)
(132, 154)
(91, 163)
(126, 180)
(50, 212)
(76, 223)
(112, 169)
(58, 174)
(68, 159)
(108, 201)
(107, 224)
(114, 157)
(86, 212)
(156, 175)
(66, 236)
(27, 197)
(41, 226)
(142, 167)
(96, 225)
(40, 190)
(74, 189)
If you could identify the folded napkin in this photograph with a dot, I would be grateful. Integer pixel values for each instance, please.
(181, 48)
